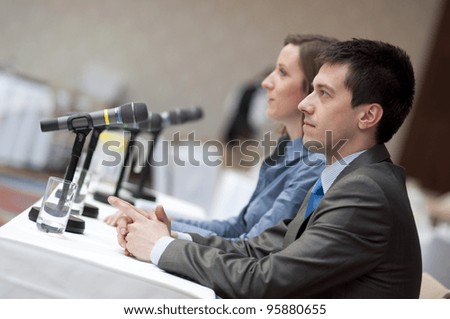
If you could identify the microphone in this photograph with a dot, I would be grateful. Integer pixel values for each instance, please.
(129, 113)
(152, 124)
(157, 122)
(180, 116)
(166, 119)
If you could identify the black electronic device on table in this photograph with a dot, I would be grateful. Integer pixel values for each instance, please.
(74, 225)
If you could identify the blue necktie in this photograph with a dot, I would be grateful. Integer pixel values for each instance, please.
(314, 198)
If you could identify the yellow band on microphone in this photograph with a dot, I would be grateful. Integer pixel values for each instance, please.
(105, 115)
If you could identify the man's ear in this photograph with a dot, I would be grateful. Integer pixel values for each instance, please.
(370, 116)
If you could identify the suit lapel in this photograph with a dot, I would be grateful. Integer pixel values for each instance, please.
(297, 226)
(296, 223)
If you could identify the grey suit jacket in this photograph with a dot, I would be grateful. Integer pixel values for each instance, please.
(360, 242)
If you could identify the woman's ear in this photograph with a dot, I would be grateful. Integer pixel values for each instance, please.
(370, 116)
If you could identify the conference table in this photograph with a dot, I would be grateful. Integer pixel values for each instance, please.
(36, 264)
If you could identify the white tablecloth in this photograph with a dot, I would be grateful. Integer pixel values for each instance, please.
(92, 265)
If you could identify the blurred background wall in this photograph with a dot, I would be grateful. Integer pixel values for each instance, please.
(58, 56)
(178, 53)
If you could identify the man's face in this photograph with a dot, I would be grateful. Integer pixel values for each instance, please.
(328, 108)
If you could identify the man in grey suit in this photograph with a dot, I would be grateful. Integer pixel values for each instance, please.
(354, 236)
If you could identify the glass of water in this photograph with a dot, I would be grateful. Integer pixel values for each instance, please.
(82, 177)
(56, 205)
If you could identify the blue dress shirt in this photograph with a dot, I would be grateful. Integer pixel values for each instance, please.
(331, 172)
(284, 179)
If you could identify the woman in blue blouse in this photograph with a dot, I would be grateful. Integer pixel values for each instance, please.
(287, 175)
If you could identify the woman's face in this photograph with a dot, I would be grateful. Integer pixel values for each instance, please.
(284, 87)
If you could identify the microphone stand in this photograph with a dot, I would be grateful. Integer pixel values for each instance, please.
(103, 197)
(146, 171)
(76, 153)
(91, 148)
(89, 210)
(175, 117)
(74, 225)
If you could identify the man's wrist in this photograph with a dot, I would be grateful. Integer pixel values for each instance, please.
(159, 248)
(162, 243)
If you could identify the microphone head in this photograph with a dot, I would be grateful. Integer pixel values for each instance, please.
(173, 117)
(152, 124)
(187, 115)
(183, 116)
(196, 113)
(155, 120)
(49, 125)
(140, 112)
(133, 112)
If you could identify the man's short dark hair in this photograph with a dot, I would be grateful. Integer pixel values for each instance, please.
(378, 73)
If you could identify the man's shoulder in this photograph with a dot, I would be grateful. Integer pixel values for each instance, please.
(385, 176)
(382, 172)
